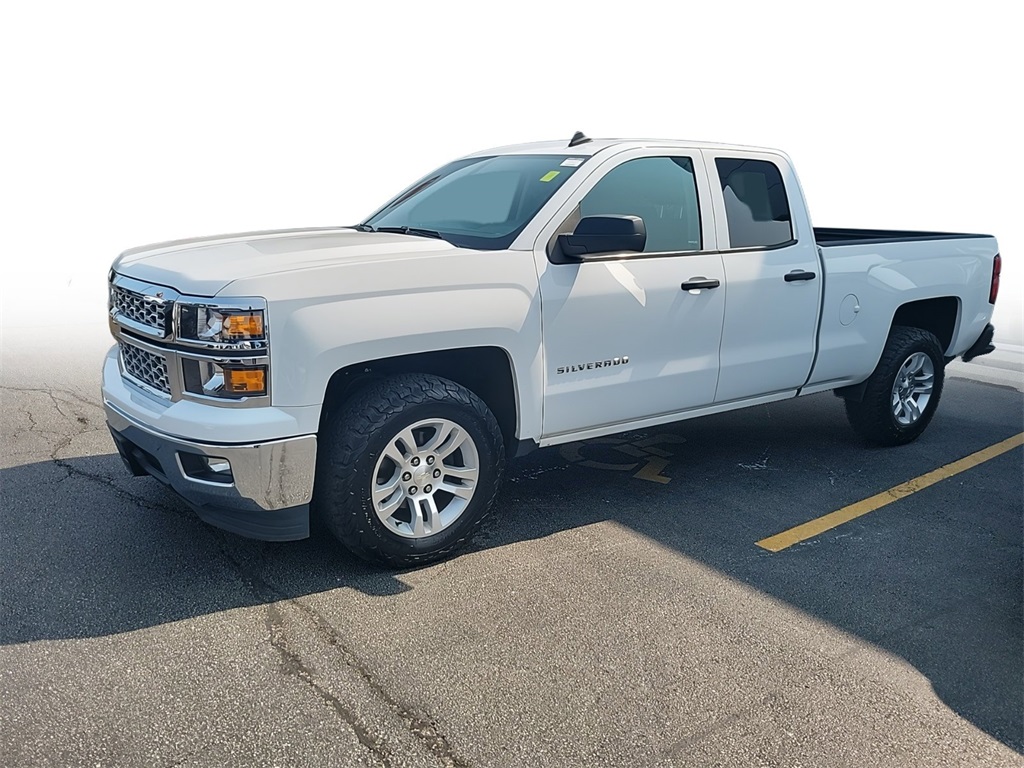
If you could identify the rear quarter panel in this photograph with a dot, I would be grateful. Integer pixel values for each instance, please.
(880, 278)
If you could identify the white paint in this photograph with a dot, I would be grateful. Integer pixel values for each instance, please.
(627, 280)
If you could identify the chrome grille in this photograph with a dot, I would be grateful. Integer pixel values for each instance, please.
(145, 310)
(145, 366)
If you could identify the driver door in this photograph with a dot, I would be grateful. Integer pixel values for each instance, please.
(624, 339)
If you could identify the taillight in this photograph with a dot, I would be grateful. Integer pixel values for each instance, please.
(997, 267)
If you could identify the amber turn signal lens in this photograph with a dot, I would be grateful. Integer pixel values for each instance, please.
(248, 326)
(246, 381)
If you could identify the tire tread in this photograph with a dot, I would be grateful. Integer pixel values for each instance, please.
(347, 436)
(870, 417)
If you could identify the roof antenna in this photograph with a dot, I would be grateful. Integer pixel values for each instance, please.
(577, 139)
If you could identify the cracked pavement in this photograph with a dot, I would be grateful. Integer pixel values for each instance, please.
(603, 620)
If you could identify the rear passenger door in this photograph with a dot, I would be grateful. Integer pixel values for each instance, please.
(772, 275)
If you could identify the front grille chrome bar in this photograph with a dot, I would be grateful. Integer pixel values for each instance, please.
(144, 308)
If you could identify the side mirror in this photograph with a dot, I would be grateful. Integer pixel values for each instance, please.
(604, 234)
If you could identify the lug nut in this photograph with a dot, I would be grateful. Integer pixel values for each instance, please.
(437, 473)
(426, 489)
(430, 459)
(412, 489)
(407, 476)
(415, 461)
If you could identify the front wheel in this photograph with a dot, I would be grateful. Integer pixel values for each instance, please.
(903, 392)
(408, 469)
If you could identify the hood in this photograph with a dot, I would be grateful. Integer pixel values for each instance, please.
(205, 266)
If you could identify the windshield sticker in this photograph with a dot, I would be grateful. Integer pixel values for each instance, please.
(549, 175)
(572, 162)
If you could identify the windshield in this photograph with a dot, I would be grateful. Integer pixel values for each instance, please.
(479, 202)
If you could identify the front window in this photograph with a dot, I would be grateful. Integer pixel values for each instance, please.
(479, 202)
(660, 190)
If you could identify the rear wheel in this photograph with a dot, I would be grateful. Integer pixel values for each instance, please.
(408, 469)
(903, 392)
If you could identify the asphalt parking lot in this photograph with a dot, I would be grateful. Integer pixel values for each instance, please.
(619, 611)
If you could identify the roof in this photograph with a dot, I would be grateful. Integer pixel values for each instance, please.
(593, 146)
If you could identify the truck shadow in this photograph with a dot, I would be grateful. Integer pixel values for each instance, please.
(89, 552)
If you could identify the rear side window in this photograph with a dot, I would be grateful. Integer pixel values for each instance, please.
(660, 190)
(756, 206)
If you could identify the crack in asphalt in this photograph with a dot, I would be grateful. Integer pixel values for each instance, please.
(293, 665)
(42, 390)
(121, 493)
(77, 421)
(66, 464)
(422, 728)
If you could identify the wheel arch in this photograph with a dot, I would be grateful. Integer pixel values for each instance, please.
(939, 316)
(488, 372)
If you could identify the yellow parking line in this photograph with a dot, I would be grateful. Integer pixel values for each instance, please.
(818, 526)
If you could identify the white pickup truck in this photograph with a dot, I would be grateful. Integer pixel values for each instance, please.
(525, 296)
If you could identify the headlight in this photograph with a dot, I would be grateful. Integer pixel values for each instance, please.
(224, 379)
(221, 326)
(234, 361)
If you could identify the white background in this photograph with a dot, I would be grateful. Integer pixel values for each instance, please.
(127, 123)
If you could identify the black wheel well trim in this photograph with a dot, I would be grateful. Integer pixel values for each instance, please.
(467, 366)
(939, 315)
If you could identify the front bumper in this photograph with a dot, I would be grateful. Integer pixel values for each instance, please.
(265, 494)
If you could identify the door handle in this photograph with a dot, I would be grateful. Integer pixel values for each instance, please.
(696, 283)
(799, 274)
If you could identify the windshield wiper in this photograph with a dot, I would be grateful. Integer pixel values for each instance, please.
(413, 231)
(362, 228)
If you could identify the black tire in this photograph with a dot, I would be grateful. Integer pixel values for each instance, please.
(355, 436)
(875, 416)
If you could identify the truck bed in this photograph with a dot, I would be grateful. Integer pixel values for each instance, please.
(831, 236)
